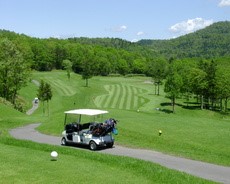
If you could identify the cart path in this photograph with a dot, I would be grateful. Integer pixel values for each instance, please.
(208, 171)
(34, 107)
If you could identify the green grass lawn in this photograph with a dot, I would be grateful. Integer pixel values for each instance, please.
(27, 162)
(196, 134)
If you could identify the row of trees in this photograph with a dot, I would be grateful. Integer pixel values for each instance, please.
(105, 55)
(205, 79)
(185, 77)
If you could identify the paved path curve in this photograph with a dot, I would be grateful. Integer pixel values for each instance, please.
(34, 107)
(208, 171)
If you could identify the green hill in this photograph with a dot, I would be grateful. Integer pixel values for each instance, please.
(189, 133)
(210, 42)
(106, 56)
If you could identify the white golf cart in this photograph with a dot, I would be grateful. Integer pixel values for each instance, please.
(93, 134)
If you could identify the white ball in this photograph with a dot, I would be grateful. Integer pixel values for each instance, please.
(54, 154)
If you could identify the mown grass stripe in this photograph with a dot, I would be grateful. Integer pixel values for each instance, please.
(142, 101)
(120, 96)
(111, 95)
(64, 88)
(122, 99)
(60, 87)
(135, 104)
(98, 101)
(129, 96)
(53, 85)
(135, 100)
(116, 95)
(135, 97)
(132, 97)
(107, 98)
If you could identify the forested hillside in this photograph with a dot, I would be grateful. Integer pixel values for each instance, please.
(197, 63)
(211, 42)
(103, 55)
(114, 55)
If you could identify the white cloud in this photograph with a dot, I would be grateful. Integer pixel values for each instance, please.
(140, 33)
(119, 28)
(190, 25)
(224, 3)
(134, 40)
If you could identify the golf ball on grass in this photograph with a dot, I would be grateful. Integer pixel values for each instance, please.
(54, 155)
(160, 132)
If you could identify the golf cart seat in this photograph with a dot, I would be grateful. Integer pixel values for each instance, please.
(73, 127)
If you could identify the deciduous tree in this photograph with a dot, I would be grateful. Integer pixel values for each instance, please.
(14, 70)
(173, 86)
(44, 94)
(67, 64)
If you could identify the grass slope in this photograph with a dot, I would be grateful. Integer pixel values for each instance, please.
(192, 133)
(27, 162)
(202, 135)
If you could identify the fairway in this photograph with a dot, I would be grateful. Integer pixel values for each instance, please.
(193, 134)
(200, 169)
(121, 96)
(76, 166)
(63, 88)
(189, 133)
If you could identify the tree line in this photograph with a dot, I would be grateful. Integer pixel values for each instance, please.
(104, 57)
(207, 79)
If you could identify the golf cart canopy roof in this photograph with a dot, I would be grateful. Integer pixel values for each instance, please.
(89, 112)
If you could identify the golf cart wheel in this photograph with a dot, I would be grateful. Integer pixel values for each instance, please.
(92, 145)
(109, 145)
(63, 141)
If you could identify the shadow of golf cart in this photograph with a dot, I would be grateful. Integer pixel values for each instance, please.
(93, 134)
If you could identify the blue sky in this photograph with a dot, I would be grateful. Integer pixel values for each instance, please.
(131, 20)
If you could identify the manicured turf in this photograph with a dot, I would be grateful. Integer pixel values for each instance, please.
(192, 133)
(201, 135)
(121, 96)
(26, 162)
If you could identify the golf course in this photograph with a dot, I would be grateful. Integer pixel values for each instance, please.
(191, 133)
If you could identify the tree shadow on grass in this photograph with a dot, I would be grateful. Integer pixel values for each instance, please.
(165, 104)
(195, 107)
(167, 111)
(191, 105)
